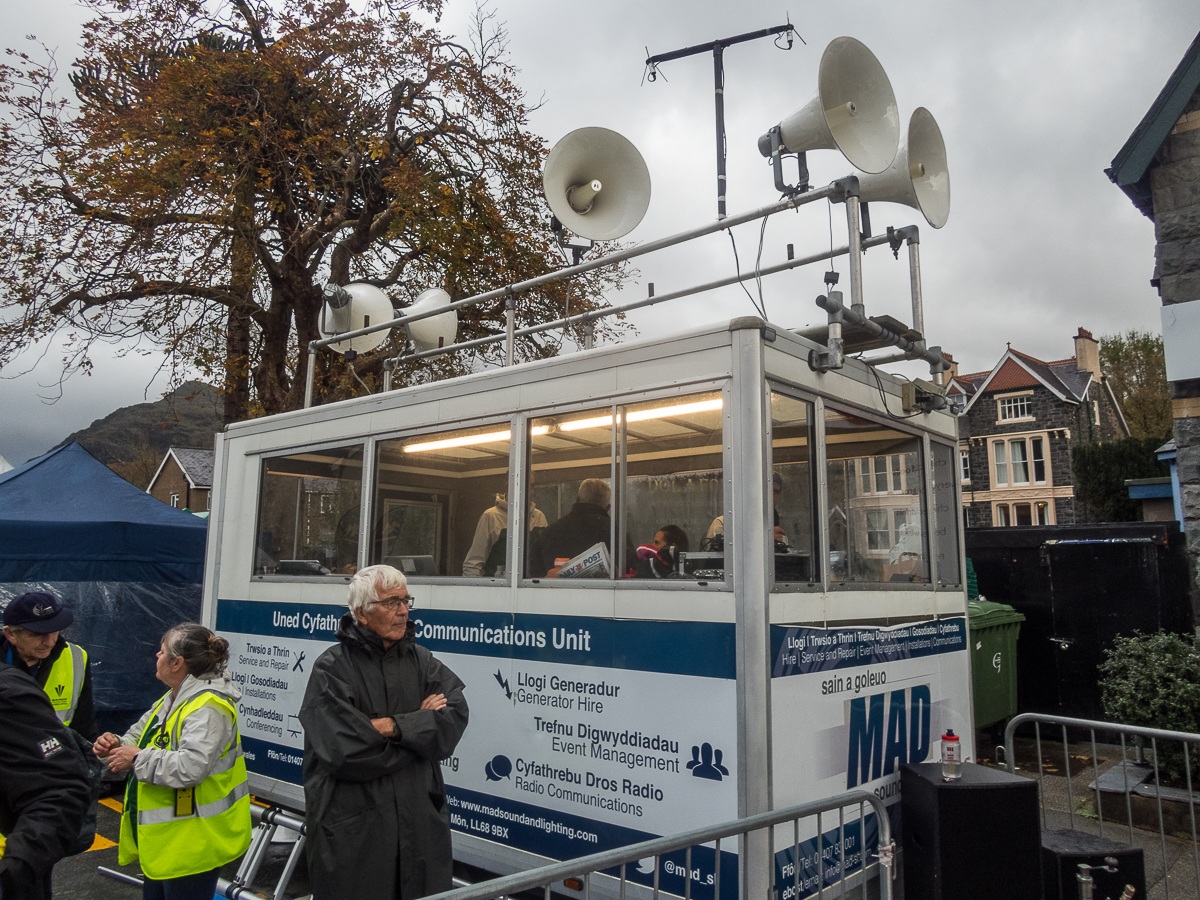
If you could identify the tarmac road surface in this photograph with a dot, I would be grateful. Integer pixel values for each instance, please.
(76, 878)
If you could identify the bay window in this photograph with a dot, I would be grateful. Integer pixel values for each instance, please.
(1014, 458)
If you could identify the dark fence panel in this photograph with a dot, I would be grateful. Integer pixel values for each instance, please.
(1079, 587)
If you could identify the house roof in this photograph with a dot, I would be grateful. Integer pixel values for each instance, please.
(196, 465)
(1130, 167)
(1019, 370)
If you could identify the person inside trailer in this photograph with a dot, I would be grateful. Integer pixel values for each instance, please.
(660, 557)
(585, 525)
(489, 547)
(714, 538)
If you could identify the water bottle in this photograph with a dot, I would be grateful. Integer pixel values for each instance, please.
(951, 756)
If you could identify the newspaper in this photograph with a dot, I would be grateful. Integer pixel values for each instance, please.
(594, 562)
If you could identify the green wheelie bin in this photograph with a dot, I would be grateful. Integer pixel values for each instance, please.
(993, 628)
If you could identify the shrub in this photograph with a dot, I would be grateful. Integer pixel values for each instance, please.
(1153, 680)
(1100, 472)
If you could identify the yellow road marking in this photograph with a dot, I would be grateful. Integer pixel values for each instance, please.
(101, 843)
(114, 805)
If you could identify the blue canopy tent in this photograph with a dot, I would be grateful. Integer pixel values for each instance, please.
(127, 565)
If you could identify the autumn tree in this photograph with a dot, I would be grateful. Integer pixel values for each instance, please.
(221, 160)
(1137, 370)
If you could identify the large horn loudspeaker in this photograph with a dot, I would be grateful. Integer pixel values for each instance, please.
(436, 331)
(918, 177)
(854, 110)
(353, 307)
(597, 184)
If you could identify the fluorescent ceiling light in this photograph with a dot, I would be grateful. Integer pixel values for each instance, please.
(491, 437)
(641, 415)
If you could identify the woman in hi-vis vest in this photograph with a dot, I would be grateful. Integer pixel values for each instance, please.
(187, 806)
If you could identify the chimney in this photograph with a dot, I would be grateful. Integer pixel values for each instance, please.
(951, 372)
(1087, 353)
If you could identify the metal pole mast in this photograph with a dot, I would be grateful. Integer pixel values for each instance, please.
(718, 51)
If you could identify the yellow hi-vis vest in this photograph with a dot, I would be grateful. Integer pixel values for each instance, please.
(65, 681)
(189, 830)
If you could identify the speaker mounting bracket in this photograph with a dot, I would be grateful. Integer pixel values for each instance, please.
(777, 149)
(577, 250)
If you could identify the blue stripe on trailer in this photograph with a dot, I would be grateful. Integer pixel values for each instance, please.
(703, 649)
(800, 651)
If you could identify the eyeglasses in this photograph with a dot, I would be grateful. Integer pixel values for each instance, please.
(393, 604)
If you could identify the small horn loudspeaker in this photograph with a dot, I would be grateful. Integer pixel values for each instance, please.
(436, 331)
(353, 307)
(918, 177)
(597, 184)
(854, 110)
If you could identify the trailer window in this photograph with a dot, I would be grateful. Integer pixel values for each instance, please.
(792, 489)
(945, 516)
(876, 511)
(566, 451)
(440, 506)
(671, 487)
(308, 513)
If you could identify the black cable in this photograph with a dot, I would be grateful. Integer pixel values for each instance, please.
(738, 268)
(883, 397)
(762, 234)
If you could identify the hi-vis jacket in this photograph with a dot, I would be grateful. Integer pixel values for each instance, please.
(188, 811)
(67, 680)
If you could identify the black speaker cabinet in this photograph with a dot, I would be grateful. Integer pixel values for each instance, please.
(1063, 851)
(976, 838)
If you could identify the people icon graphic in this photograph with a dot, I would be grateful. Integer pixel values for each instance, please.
(706, 762)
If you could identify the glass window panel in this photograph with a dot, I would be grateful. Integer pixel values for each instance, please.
(1020, 463)
(440, 502)
(565, 451)
(878, 537)
(859, 553)
(674, 488)
(1022, 514)
(965, 460)
(897, 483)
(308, 513)
(1039, 461)
(791, 461)
(1002, 515)
(945, 518)
(1043, 513)
(864, 466)
(1001, 463)
(880, 463)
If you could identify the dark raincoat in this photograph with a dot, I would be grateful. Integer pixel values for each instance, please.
(378, 824)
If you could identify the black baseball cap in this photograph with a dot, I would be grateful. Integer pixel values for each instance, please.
(38, 612)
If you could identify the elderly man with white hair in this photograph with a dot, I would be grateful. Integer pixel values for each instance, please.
(379, 715)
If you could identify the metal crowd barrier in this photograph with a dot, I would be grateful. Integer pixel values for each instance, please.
(591, 871)
(1129, 779)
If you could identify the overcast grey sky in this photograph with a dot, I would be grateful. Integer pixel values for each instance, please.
(1033, 99)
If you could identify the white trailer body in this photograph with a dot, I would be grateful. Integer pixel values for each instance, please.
(607, 710)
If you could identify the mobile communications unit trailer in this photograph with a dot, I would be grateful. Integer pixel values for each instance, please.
(803, 633)
(608, 709)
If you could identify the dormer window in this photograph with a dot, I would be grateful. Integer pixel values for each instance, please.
(1014, 408)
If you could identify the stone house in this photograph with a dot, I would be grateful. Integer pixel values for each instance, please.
(1017, 424)
(184, 479)
(1158, 168)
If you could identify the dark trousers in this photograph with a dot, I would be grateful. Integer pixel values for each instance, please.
(190, 887)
